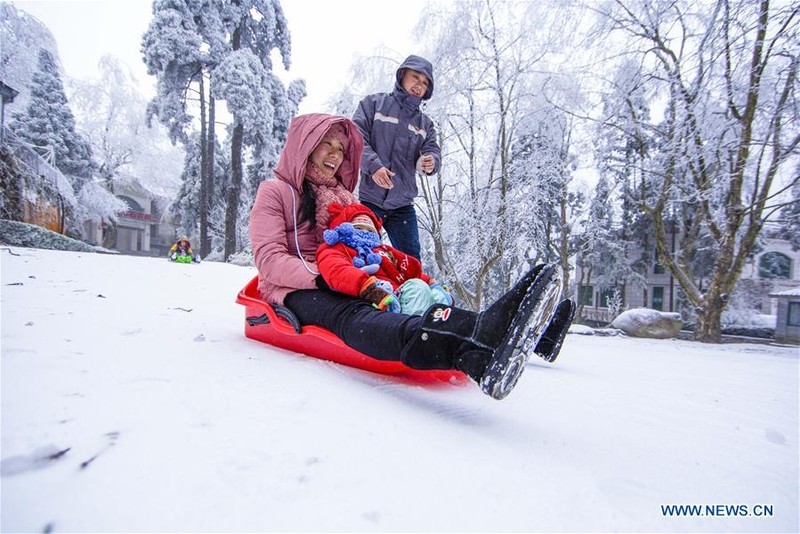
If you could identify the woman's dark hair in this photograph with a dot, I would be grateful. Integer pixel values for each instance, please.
(308, 206)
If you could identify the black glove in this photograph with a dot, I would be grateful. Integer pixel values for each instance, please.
(321, 283)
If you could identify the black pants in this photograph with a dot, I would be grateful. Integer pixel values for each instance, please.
(379, 334)
(401, 226)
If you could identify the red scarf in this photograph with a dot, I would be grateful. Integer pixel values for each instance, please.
(327, 191)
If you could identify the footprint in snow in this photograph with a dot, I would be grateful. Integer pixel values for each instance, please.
(131, 332)
(38, 459)
(774, 436)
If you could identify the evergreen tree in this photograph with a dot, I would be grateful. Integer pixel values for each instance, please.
(49, 125)
(255, 97)
(174, 50)
(186, 205)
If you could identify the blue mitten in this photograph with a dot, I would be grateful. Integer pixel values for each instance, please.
(393, 305)
(370, 269)
(379, 293)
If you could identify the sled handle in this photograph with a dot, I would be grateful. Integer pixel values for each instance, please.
(281, 311)
(261, 319)
(291, 318)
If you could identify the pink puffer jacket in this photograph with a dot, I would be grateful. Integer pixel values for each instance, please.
(284, 248)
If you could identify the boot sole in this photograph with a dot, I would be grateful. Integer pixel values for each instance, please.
(527, 327)
(565, 313)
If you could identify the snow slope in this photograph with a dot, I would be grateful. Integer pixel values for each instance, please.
(131, 401)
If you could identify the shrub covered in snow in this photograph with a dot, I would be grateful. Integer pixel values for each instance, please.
(28, 235)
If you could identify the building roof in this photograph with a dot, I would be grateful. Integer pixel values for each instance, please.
(8, 93)
(795, 292)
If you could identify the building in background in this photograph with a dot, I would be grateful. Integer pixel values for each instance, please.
(775, 268)
(142, 230)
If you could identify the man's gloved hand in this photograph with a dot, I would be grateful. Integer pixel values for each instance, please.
(379, 293)
(442, 291)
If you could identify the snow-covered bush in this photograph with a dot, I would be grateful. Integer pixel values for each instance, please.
(98, 205)
(243, 258)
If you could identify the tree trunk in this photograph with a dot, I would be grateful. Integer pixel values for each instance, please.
(709, 319)
(110, 236)
(203, 172)
(211, 143)
(234, 190)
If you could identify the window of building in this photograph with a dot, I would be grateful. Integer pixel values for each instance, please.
(606, 298)
(586, 295)
(774, 265)
(132, 204)
(794, 314)
(658, 298)
(657, 267)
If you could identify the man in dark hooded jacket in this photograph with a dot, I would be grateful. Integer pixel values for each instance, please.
(399, 141)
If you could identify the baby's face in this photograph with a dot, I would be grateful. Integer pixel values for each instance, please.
(363, 222)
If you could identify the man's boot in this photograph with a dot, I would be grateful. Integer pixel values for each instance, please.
(487, 345)
(550, 344)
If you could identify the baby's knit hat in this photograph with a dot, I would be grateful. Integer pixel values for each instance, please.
(341, 214)
(341, 230)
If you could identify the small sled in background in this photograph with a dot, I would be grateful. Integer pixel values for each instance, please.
(278, 326)
(181, 252)
(184, 258)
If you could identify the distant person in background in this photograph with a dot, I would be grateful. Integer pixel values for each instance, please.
(399, 141)
(181, 251)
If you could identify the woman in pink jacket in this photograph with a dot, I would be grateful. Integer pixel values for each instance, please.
(319, 165)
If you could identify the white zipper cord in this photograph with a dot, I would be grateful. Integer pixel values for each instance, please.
(296, 241)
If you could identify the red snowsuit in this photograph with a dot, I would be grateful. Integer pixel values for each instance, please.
(336, 266)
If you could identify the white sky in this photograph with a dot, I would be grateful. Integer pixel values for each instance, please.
(325, 36)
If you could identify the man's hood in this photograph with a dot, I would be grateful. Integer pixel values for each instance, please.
(419, 64)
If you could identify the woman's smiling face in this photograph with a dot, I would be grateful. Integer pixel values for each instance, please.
(328, 155)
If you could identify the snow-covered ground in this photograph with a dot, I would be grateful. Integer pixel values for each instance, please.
(131, 401)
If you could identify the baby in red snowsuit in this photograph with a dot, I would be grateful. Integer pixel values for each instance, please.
(353, 261)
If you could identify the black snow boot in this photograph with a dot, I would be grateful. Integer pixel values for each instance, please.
(508, 304)
(487, 345)
(526, 329)
(550, 344)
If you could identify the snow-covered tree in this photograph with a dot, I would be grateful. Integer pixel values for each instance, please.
(22, 36)
(222, 50)
(175, 50)
(623, 141)
(602, 254)
(48, 125)
(185, 207)
(254, 95)
(728, 73)
(790, 216)
(492, 122)
(111, 112)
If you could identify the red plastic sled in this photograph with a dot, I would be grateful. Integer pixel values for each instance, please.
(264, 324)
